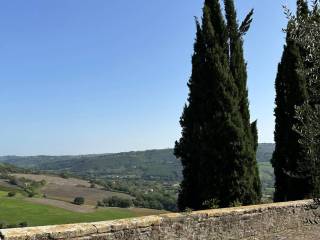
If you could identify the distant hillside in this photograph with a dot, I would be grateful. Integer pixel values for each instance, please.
(6, 168)
(157, 164)
(265, 151)
(148, 165)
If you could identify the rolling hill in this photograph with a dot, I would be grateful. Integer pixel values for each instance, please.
(147, 165)
(150, 177)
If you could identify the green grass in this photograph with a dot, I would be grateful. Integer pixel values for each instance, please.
(266, 174)
(5, 190)
(3, 194)
(16, 210)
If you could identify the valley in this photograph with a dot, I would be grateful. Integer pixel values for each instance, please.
(147, 182)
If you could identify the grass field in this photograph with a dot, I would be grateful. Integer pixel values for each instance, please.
(57, 208)
(16, 210)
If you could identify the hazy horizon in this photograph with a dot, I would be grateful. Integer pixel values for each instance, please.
(101, 153)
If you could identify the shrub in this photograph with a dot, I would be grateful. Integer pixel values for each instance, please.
(23, 224)
(64, 175)
(78, 201)
(3, 225)
(236, 204)
(31, 194)
(100, 204)
(12, 225)
(43, 182)
(13, 181)
(11, 194)
(211, 204)
(115, 201)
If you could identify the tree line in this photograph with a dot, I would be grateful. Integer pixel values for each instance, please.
(219, 143)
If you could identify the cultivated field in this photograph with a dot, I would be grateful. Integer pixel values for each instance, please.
(63, 189)
(54, 179)
(56, 206)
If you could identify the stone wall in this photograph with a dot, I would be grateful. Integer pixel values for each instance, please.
(253, 222)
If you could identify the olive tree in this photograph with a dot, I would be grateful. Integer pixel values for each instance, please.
(306, 31)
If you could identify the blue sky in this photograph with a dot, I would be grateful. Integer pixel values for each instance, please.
(80, 76)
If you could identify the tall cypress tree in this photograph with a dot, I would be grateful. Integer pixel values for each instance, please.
(218, 145)
(238, 68)
(291, 92)
(187, 149)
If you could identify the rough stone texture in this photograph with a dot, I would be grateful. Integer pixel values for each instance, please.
(280, 221)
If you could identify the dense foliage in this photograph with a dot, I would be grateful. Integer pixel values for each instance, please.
(218, 144)
(290, 92)
(4, 225)
(11, 194)
(115, 201)
(78, 200)
(297, 108)
(305, 30)
(147, 194)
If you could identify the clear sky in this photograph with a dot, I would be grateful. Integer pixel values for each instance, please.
(97, 76)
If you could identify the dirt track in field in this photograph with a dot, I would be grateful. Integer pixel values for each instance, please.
(63, 205)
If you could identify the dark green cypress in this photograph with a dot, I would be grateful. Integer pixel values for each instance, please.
(238, 68)
(187, 149)
(218, 23)
(290, 92)
(219, 126)
(218, 145)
